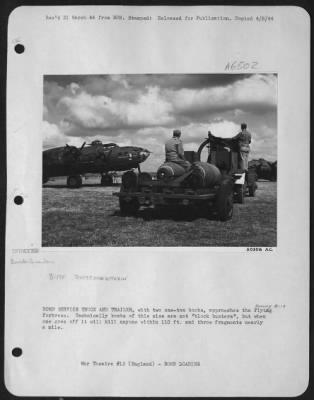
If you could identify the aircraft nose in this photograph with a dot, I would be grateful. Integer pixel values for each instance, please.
(144, 154)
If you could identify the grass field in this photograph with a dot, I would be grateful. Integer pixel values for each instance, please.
(90, 216)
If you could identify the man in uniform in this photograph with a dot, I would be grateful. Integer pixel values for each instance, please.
(174, 150)
(244, 141)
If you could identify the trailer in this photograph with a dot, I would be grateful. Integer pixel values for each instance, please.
(139, 190)
(212, 184)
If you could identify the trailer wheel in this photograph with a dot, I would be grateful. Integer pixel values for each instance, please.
(74, 181)
(252, 189)
(224, 200)
(129, 208)
(240, 192)
(129, 181)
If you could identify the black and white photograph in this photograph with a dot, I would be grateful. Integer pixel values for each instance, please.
(158, 202)
(160, 160)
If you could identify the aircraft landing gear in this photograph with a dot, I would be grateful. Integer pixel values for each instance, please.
(106, 180)
(74, 181)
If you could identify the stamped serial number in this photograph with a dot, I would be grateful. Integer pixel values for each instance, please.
(255, 249)
(241, 65)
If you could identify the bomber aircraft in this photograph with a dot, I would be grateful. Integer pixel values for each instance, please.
(265, 169)
(96, 157)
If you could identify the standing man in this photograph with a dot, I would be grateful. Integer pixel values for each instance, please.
(244, 141)
(174, 150)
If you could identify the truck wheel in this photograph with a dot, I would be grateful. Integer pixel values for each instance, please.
(106, 180)
(224, 200)
(252, 189)
(129, 208)
(74, 181)
(240, 193)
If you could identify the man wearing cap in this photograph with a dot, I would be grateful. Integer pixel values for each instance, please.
(174, 150)
(244, 141)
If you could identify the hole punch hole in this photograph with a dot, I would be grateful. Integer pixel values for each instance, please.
(17, 352)
(18, 200)
(19, 48)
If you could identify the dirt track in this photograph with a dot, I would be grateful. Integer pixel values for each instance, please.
(90, 216)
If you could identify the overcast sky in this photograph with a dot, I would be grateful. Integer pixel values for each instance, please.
(142, 110)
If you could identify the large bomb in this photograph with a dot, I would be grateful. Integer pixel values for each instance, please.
(170, 170)
(205, 175)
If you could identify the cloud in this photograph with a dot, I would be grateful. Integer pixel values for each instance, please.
(74, 87)
(88, 111)
(144, 109)
(45, 112)
(102, 112)
(52, 136)
(255, 94)
(151, 109)
(100, 84)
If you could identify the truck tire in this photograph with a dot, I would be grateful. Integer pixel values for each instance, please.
(106, 180)
(252, 189)
(224, 200)
(240, 193)
(129, 208)
(74, 181)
